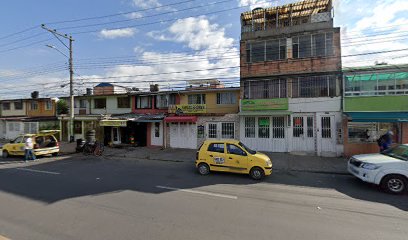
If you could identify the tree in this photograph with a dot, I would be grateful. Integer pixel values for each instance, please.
(62, 107)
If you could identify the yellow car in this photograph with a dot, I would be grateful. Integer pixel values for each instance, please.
(44, 143)
(232, 156)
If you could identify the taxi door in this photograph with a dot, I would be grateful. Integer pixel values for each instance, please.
(237, 159)
(17, 146)
(216, 156)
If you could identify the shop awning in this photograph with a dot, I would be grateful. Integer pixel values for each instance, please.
(113, 123)
(377, 116)
(192, 119)
(264, 113)
(150, 119)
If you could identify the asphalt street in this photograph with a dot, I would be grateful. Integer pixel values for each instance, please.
(75, 197)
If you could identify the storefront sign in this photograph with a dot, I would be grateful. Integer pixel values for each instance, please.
(264, 104)
(188, 108)
(112, 123)
(264, 122)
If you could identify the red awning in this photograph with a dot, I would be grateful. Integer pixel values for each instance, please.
(181, 119)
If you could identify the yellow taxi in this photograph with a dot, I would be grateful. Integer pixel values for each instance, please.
(44, 143)
(232, 156)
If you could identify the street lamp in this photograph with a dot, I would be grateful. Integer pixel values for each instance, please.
(71, 75)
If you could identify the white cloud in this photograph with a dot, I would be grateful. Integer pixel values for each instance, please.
(134, 15)
(146, 3)
(198, 33)
(256, 3)
(117, 33)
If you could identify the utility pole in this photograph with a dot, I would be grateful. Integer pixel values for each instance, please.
(71, 77)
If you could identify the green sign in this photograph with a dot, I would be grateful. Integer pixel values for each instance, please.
(264, 104)
(264, 122)
(376, 104)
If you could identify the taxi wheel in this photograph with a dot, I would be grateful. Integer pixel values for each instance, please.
(54, 154)
(257, 173)
(203, 168)
(395, 184)
(5, 154)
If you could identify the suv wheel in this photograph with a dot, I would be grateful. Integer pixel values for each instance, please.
(203, 168)
(257, 173)
(395, 184)
(5, 154)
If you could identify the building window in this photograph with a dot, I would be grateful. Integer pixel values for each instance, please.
(100, 103)
(123, 102)
(248, 52)
(6, 106)
(264, 89)
(82, 103)
(298, 127)
(172, 99)
(34, 105)
(226, 98)
(314, 86)
(30, 127)
(275, 49)
(48, 105)
(310, 128)
(162, 101)
(369, 132)
(320, 44)
(14, 126)
(212, 130)
(376, 84)
(258, 51)
(227, 130)
(18, 105)
(263, 127)
(326, 127)
(249, 127)
(144, 102)
(196, 99)
(77, 127)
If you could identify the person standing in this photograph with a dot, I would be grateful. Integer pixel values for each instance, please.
(29, 152)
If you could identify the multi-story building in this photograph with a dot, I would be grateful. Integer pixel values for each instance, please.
(291, 79)
(20, 116)
(375, 101)
(203, 113)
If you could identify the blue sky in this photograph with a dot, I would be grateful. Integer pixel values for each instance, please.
(200, 39)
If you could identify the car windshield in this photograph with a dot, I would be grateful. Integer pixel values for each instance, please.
(246, 148)
(400, 152)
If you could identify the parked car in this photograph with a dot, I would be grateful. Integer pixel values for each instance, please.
(232, 156)
(388, 169)
(44, 143)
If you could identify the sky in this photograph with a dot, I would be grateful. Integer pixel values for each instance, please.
(135, 43)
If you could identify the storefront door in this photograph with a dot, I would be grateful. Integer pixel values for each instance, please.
(303, 133)
(327, 138)
(116, 135)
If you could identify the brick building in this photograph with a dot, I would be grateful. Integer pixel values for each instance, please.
(291, 79)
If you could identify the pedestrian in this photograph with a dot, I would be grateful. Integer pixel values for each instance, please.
(385, 141)
(29, 152)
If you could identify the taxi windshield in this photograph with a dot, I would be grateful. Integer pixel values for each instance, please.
(246, 148)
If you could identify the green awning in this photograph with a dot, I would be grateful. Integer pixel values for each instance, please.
(377, 116)
(264, 113)
(377, 76)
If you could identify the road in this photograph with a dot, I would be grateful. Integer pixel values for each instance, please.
(109, 198)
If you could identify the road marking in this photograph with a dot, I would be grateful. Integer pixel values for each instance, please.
(38, 171)
(199, 192)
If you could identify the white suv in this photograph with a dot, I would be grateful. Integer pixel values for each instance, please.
(388, 169)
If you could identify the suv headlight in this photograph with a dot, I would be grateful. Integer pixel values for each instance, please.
(370, 166)
(268, 162)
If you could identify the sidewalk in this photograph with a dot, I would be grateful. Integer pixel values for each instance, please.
(281, 161)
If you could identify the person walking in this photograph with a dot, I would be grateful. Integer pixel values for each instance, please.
(385, 141)
(29, 152)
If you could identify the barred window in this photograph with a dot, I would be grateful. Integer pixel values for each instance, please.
(314, 86)
(263, 127)
(278, 127)
(196, 99)
(123, 102)
(226, 98)
(263, 89)
(100, 103)
(249, 127)
(320, 44)
(227, 130)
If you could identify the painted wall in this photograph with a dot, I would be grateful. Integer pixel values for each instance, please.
(323, 104)
(13, 111)
(41, 111)
(111, 106)
(211, 102)
(376, 103)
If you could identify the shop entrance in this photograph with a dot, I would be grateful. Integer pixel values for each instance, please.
(139, 132)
